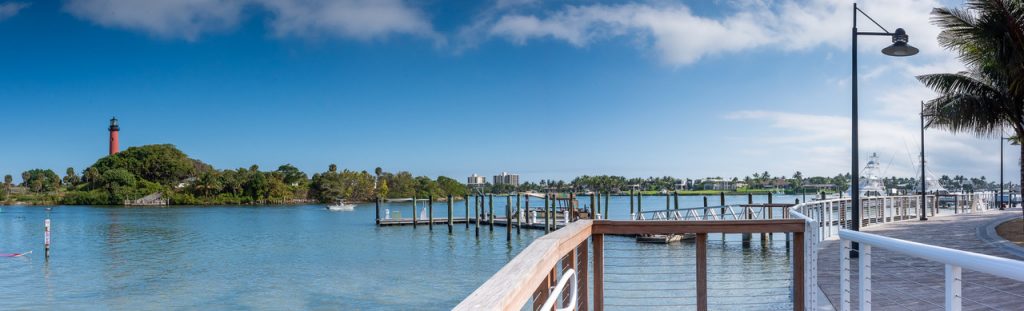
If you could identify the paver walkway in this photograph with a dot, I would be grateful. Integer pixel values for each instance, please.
(900, 282)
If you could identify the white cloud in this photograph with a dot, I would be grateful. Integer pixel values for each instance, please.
(682, 38)
(10, 9)
(189, 19)
(359, 19)
(820, 144)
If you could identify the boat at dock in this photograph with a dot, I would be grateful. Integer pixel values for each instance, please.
(664, 238)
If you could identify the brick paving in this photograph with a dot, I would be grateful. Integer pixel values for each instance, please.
(901, 282)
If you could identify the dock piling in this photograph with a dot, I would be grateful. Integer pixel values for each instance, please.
(376, 204)
(466, 197)
(508, 218)
(547, 216)
(675, 198)
(593, 204)
(640, 205)
(476, 212)
(632, 215)
(519, 215)
(414, 212)
(430, 212)
(607, 195)
(451, 220)
(490, 211)
(46, 238)
(527, 215)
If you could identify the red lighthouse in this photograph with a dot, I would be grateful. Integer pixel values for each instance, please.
(113, 136)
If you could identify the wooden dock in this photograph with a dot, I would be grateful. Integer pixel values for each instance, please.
(498, 222)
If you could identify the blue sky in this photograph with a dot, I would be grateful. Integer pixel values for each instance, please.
(547, 89)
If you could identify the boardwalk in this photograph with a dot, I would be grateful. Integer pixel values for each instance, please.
(904, 283)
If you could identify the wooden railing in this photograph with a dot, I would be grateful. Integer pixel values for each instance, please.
(530, 275)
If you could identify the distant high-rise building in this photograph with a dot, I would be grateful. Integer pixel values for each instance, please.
(506, 179)
(476, 181)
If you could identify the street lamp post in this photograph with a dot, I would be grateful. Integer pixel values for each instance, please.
(924, 192)
(898, 48)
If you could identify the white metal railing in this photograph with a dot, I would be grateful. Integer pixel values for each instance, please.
(835, 214)
(954, 260)
(569, 276)
(825, 218)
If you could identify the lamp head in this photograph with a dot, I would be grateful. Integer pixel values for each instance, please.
(899, 45)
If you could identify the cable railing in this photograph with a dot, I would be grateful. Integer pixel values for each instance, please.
(631, 275)
(954, 262)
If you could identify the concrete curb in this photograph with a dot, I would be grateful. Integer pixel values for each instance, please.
(988, 234)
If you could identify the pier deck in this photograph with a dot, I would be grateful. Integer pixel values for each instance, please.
(904, 283)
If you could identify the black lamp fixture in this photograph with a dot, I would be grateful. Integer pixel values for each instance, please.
(899, 48)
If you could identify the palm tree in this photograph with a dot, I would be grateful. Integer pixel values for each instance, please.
(988, 97)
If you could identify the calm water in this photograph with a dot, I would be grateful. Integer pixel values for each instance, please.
(294, 257)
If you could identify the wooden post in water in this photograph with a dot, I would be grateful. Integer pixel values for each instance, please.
(430, 212)
(467, 210)
(519, 215)
(721, 198)
(607, 195)
(747, 214)
(675, 199)
(490, 210)
(377, 205)
(547, 222)
(476, 212)
(668, 203)
(597, 210)
(632, 214)
(451, 220)
(639, 204)
(527, 215)
(46, 238)
(508, 218)
(593, 205)
(414, 212)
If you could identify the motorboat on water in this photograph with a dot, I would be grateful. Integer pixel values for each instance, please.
(341, 206)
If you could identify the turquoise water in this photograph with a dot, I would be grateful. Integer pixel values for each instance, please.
(267, 257)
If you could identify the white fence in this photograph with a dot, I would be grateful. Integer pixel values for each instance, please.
(954, 260)
(826, 217)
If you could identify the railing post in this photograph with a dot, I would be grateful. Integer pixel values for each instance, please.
(844, 275)
(702, 271)
(799, 285)
(864, 277)
(953, 293)
(598, 240)
(581, 263)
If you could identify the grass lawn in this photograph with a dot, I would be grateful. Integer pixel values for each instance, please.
(1012, 231)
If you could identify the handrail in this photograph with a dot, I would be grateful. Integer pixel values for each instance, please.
(531, 273)
(954, 260)
(569, 275)
(513, 285)
(993, 265)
